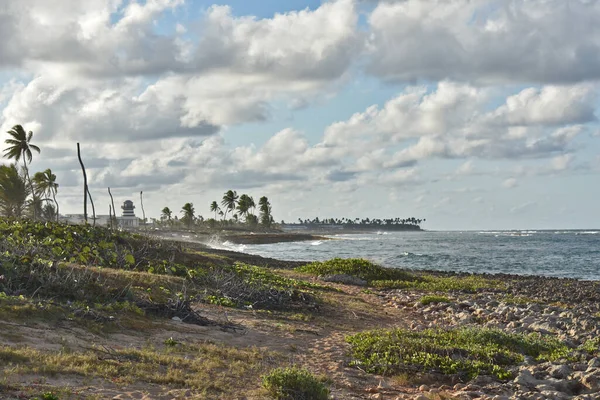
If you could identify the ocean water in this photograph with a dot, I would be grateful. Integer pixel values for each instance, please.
(571, 254)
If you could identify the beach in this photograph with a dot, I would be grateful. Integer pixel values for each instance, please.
(538, 334)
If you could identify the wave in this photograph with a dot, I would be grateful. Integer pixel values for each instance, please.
(215, 243)
(316, 243)
(587, 233)
(409, 254)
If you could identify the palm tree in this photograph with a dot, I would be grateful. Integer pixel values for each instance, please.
(166, 214)
(45, 186)
(214, 207)
(49, 212)
(188, 214)
(265, 211)
(229, 201)
(20, 148)
(13, 191)
(244, 205)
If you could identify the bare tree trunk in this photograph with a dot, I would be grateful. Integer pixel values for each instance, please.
(93, 208)
(112, 201)
(57, 209)
(110, 219)
(142, 204)
(85, 188)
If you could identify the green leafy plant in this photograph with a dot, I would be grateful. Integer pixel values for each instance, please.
(466, 351)
(426, 300)
(294, 383)
(358, 267)
(170, 342)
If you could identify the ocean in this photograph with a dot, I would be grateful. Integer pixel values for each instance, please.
(569, 254)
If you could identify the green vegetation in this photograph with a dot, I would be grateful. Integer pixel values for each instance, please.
(358, 267)
(592, 346)
(294, 383)
(391, 278)
(467, 352)
(392, 224)
(426, 300)
(433, 283)
(215, 369)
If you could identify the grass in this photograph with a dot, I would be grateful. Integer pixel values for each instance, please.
(357, 267)
(391, 278)
(426, 300)
(206, 368)
(466, 352)
(434, 283)
(294, 383)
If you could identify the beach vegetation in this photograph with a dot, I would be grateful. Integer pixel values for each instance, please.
(21, 148)
(435, 283)
(429, 299)
(294, 383)
(357, 267)
(214, 370)
(466, 352)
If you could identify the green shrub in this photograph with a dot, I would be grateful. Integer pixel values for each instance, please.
(358, 267)
(294, 384)
(433, 283)
(467, 352)
(425, 300)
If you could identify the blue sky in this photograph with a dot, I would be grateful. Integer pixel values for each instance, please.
(472, 115)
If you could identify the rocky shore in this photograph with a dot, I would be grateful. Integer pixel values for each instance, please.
(566, 309)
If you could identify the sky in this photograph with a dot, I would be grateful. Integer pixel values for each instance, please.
(470, 114)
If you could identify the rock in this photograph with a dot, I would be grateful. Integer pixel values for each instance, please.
(423, 388)
(422, 397)
(544, 327)
(459, 386)
(553, 395)
(592, 381)
(176, 319)
(594, 362)
(559, 371)
(345, 279)
(526, 379)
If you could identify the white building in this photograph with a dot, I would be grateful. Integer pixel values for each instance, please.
(128, 219)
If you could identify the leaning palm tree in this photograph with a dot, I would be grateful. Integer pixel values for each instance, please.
(13, 191)
(46, 186)
(229, 201)
(244, 205)
(188, 214)
(167, 214)
(20, 148)
(214, 207)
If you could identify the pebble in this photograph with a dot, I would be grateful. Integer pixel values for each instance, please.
(570, 319)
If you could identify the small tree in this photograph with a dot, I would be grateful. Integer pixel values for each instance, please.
(188, 212)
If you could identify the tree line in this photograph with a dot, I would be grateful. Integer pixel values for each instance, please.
(240, 209)
(411, 223)
(20, 194)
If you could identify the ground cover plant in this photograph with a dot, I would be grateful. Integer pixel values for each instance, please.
(429, 299)
(357, 267)
(466, 352)
(294, 383)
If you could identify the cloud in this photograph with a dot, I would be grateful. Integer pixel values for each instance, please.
(521, 208)
(518, 41)
(510, 183)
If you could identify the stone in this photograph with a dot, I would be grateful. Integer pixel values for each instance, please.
(594, 362)
(344, 279)
(559, 371)
(459, 386)
(423, 388)
(526, 379)
(592, 381)
(176, 319)
(422, 397)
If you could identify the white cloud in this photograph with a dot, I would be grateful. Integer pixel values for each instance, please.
(518, 41)
(510, 183)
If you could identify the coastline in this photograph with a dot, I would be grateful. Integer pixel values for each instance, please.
(249, 315)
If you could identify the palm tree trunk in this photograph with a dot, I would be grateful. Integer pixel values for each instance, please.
(85, 189)
(57, 209)
(142, 204)
(93, 208)
(114, 210)
(30, 187)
